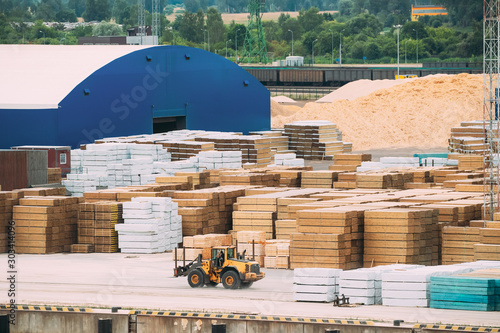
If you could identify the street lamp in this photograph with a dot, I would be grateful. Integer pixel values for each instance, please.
(236, 58)
(43, 32)
(204, 40)
(208, 39)
(398, 27)
(332, 43)
(313, 51)
(340, 49)
(292, 40)
(226, 47)
(405, 48)
(417, 43)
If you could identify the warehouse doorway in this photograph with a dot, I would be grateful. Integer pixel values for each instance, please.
(166, 124)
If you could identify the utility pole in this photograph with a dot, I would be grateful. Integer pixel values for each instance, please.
(340, 49)
(313, 51)
(398, 27)
(292, 40)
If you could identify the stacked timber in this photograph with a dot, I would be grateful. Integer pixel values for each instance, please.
(277, 254)
(319, 179)
(348, 162)
(471, 162)
(96, 227)
(45, 224)
(54, 175)
(253, 244)
(458, 244)
(182, 150)
(314, 139)
(315, 284)
(199, 180)
(7, 201)
(477, 291)
(346, 180)
(489, 246)
(201, 244)
(399, 235)
(232, 178)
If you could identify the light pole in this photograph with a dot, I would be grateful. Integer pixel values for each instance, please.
(398, 27)
(332, 43)
(204, 40)
(236, 58)
(405, 49)
(417, 43)
(313, 51)
(292, 40)
(340, 49)
(226, 47)
(208, 39)
(43, 32)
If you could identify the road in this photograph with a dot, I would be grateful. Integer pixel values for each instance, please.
(146, 282)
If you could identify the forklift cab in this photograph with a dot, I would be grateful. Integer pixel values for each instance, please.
(221, 254)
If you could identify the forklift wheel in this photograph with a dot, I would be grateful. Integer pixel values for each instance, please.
(195, 278)
(231, 280)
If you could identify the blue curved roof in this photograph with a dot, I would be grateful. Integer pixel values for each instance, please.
(124, 96)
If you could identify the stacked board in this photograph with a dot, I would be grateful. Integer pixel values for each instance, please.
(314, 139)
(465, 293)
(348, 162)
(96, 227)
(315, 284)
(458, 244)
(239, 178)
(7, 202)
(45, 224)
(201, 244)
(54, 175)
(319, 179)
(253, 244)
(399, 235)
(150, 225)
(182, 150)
(277, 254)
(319, 250)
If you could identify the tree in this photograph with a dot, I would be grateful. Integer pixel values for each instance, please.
(96, 10)
(345, 7)
(78, 6)
(215, 26)
(107, 29)
(310, 19)
(410, 30)
(463, 12)
(191, 26)
(364, 24)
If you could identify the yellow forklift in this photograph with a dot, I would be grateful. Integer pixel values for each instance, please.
(225, 266)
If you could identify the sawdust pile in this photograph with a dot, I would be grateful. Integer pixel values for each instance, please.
(418, 113)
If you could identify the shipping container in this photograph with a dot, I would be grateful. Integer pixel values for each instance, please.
(23, 168)
(58, 156)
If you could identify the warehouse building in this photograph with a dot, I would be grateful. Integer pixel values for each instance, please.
(72, 95)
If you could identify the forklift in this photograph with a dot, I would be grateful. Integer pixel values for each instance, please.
(225, 266)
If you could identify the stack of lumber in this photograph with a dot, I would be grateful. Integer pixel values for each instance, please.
(54, 175)
(411, 287)
(315, 284)
(201, 244)
(283, 204)
(279, 142)
(399, 235)
(199, 180)
(314, 139)
(489, 246)
(8, 200)
(467, 145)
(207, 211)
(348, 162)
(277, 254)
(471, 162)
(96, 227)
(441, 174)
(150, 225)
(231, 178)
(319, 179)
(45, 224)
(125, 194)
(453, 179)
(346, 180)
(182, 150)
(380, 180)
(220, 160)
(478, 291)
(458, 244)
(319, 250)
(253, 242)
(364, 285)
(288, 178)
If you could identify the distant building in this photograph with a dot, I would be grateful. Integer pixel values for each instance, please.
(132, 38)
(427, 10)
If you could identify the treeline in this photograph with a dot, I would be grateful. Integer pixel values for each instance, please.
(364, 27)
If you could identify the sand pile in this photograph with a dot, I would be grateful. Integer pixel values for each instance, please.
(360, 88)
(419, 113)
(282, 99)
